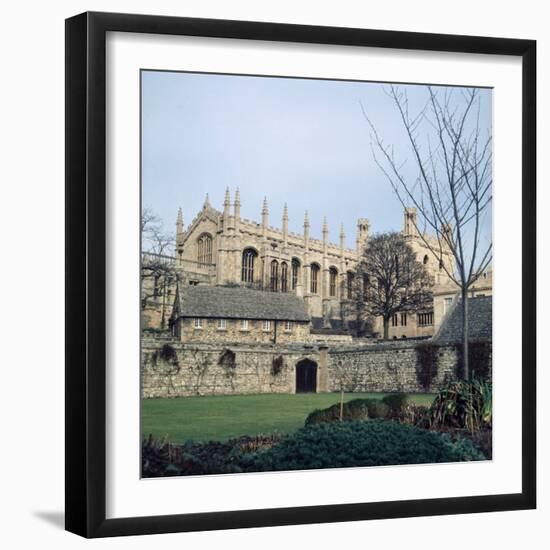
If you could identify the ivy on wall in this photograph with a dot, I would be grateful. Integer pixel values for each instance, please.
(480, 354)
(277, 365)
(427, 355)
(228, 362)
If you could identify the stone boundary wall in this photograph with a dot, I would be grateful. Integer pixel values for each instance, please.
(207, 369)
(388, 367)
(218, 369)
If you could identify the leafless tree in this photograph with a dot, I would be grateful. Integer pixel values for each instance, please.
(355, 308)
(158, 269)
(390, 280)
(452, 186)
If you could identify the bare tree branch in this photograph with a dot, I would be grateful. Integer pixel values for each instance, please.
(453, 189)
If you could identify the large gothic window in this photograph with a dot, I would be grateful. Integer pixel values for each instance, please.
(204, 249)
(295, 273)
(284, 277)
(249, 257)
(333, 277)
(274, 282)
(349, 285)
(314, 286)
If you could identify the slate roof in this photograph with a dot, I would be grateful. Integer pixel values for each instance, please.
(480, 316)
(224, 302)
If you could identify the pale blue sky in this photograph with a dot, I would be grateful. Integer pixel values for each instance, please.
(304, 142)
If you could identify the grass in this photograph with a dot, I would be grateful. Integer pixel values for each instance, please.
(224, 417)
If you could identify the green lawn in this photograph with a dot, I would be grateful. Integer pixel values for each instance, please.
(224, 417)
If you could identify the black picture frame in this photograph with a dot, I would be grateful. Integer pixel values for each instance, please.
(86, 274)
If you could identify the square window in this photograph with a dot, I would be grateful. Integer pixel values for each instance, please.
(288, 326)
(244, 324)
(198, 323)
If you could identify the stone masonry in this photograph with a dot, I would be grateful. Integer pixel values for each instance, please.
(171, 368)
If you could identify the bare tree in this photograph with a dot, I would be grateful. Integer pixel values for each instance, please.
(452, 188)
(355, 308)
(158, 269)
(390, 280)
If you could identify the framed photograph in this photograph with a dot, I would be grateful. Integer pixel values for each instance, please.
(300, 274)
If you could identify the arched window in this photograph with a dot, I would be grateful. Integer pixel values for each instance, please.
(284, 277)
(249, 256)
(314, 286)
(333, 277)
(349, 285)
(295, 268)
(274, 283)
(425, 260)
(204, 249)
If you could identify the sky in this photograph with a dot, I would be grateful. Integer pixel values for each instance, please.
(299, 141)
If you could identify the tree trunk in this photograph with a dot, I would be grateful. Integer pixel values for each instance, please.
(386, 327)
(465, 354)
(162, 320)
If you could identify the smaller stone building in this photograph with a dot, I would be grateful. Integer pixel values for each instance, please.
(209, 359)
(446, 296)
(480, 321)
(231, 314)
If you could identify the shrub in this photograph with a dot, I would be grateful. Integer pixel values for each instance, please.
(160, 458)
(377, 408)
(330, 414)
(415, 415)
(396, 402)
(466, 448)
(464, 405)
(356, 409)
(354, 444)
(483, 440)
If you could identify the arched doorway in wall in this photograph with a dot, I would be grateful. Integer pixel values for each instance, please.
(306, 376)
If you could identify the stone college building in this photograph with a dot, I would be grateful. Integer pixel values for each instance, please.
(219, 248)
(246, 307)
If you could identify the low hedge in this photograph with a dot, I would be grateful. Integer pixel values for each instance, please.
(324, 445)
(354, 444)
(356, 409)
(396, 402)
(161, 458)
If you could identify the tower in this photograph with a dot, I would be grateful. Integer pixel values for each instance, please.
(410, 227)
(363, 226)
